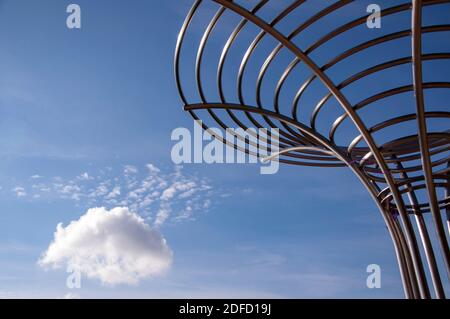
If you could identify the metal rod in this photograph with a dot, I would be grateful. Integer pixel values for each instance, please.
(447, 195)
(425, 237)
(301, 144)
(401, 248)
(412, 243)
(423, 136)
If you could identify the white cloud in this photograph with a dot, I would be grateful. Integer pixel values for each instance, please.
(155, 194)
(100, 191)
(69, 191)
(20, 191)
(36, 176)
(162, 215)
(114, 193)
(207, 204)
(84, 177)
(41, 187)
(130, 169)
(116, 247)
(153, 169)
(188, 188)
(169, 193)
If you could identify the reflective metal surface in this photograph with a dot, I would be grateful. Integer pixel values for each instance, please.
(406, 173)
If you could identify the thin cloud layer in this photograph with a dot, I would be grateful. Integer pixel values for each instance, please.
(148, 191)
(115, 247)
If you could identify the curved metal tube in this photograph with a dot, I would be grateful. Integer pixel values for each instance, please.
(300, 144)
(412, 243)
(296, 148)
(423, 137)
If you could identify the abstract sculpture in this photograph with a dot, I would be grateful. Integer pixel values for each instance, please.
(401, 154)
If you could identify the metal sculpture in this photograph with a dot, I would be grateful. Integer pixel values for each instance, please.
(407, 176)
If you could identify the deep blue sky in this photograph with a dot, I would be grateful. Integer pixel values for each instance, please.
(75, 101)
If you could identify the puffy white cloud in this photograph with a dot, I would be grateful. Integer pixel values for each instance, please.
(116, 247)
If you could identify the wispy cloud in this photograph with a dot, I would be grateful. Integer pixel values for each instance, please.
(84, 176)
(19, 191)
(154, 194)
(130, 169)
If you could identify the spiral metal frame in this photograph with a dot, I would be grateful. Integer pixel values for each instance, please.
(382, 169)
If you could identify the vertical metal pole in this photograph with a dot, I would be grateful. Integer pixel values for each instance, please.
(424, 236)
(447, 194)
(423, 133)
(412, 275)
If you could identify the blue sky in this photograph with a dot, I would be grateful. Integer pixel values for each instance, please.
(103, 98)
